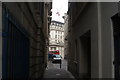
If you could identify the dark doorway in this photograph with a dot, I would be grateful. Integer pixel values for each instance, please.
(116, 32)
(85, 40)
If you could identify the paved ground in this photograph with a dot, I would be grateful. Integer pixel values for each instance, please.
(54, 71)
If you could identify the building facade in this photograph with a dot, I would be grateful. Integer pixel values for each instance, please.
(65, 17)
(25, 39)
(92, 39)
(56, 39)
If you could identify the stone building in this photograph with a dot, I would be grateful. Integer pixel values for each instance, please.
(56, 37)
(65, 17)
(93, 38)
(24, 38)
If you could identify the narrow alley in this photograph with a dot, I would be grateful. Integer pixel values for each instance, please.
(35, 37)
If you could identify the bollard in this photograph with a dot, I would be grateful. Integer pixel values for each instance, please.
(60, 64)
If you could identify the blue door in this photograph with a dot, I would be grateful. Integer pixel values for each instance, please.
(15, 49)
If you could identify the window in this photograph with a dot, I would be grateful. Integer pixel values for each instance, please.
(55, 24)
(53, 48)
(55, 36)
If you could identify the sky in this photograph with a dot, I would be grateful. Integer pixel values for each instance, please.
(59, 7)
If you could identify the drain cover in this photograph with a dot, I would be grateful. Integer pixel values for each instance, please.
(57, 74)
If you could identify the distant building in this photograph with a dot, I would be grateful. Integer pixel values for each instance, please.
(56, 39)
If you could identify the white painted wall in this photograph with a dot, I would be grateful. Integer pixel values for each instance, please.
(107, 38)
(96, 18)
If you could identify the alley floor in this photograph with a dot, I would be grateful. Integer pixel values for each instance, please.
(55, 72)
